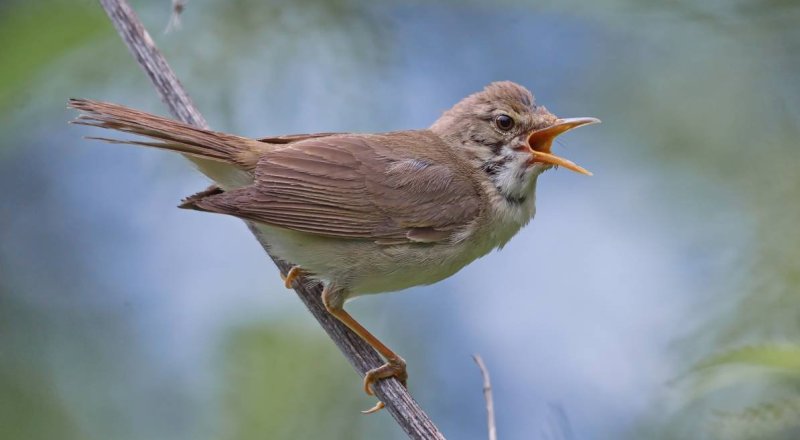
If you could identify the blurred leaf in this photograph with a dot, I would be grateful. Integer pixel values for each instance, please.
(774, 420)
(35, 33)
(281, 383)
(741, 367)
(778, 356)
(31, 409)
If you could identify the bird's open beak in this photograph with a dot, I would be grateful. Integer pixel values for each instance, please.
(540, 142)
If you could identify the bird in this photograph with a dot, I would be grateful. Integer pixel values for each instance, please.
(371, 213)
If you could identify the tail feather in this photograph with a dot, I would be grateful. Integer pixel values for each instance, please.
(172, 146)
(169, 134)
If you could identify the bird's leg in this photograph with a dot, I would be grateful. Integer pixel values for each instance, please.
(294, 273)
(394, 366)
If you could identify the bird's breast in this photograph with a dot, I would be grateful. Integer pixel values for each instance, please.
(365, 267)
(400, 267)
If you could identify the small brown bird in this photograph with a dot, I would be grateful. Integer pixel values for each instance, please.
(371, 213)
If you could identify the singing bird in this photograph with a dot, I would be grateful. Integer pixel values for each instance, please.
(371, 213)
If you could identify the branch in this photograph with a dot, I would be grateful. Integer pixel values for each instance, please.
(487, 394)
(411, 418)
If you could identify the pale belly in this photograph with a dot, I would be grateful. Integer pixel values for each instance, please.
(363, 267)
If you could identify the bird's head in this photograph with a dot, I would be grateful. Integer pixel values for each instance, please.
(504, 132)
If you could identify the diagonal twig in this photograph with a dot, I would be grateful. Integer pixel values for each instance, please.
(411, 418)
(487, 394)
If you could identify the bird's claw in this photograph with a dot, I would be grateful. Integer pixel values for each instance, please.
(378, 406)
(294, 273)
(394, 367)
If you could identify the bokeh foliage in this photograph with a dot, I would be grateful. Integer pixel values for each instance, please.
(701, 98)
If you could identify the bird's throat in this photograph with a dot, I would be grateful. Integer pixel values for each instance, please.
(513, 178)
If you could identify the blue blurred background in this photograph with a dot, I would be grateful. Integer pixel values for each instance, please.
(658, 299)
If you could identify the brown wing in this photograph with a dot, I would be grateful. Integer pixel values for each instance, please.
(386, 188)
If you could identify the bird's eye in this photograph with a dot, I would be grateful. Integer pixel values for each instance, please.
(504, 122)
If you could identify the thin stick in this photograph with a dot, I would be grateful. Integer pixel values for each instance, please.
(411, 418)
(487, 394)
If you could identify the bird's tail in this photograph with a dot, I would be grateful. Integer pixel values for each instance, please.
(169, 134)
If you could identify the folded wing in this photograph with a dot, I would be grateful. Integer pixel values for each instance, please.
(358, 187)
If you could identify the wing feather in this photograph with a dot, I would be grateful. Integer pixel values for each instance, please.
(378, 187)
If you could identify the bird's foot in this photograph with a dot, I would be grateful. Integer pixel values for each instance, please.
(294, 273)
(394, 367)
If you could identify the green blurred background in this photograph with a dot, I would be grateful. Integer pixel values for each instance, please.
(658, 299)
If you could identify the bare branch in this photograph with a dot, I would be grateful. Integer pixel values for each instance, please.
(411, 418)
(487, 394)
